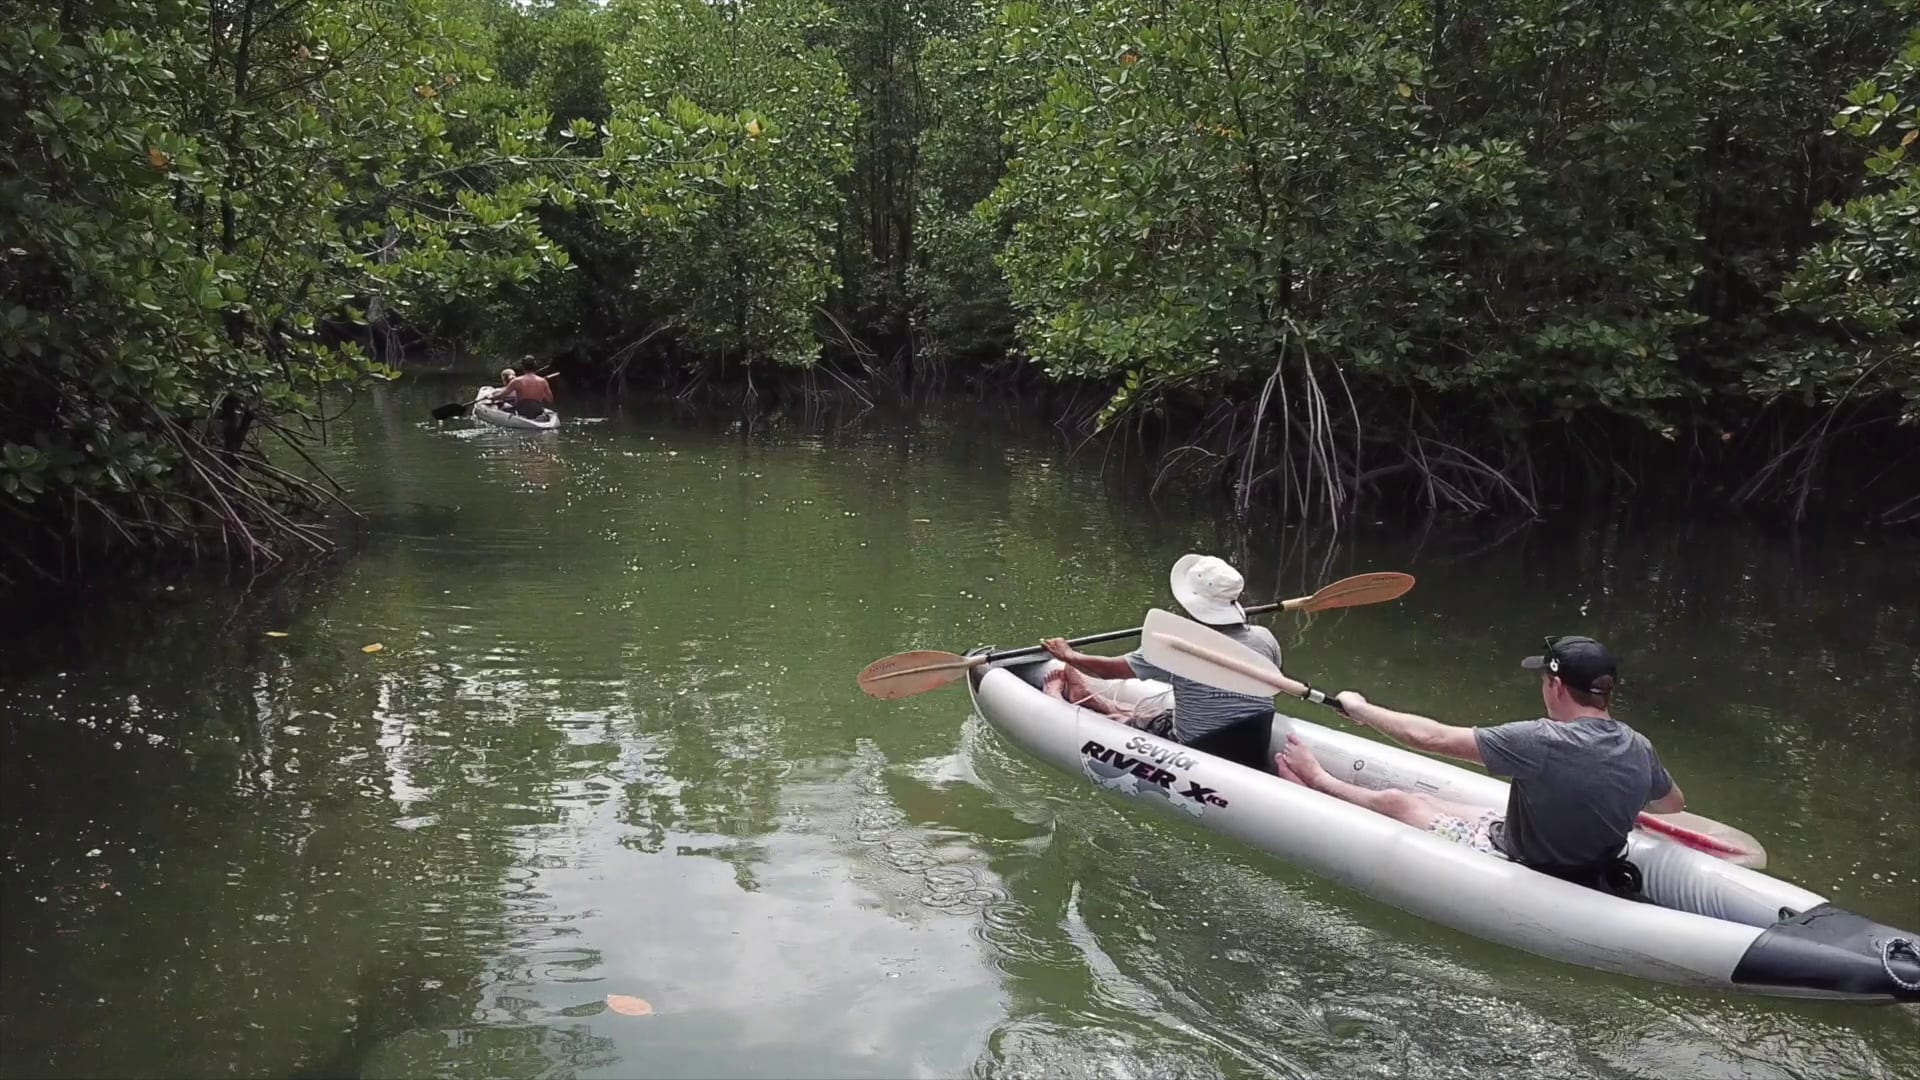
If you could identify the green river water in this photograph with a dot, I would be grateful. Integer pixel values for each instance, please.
(612, 745)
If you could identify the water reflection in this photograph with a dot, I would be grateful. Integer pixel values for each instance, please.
(611, 746)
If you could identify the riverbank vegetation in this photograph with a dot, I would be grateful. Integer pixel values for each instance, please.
(1468, 258)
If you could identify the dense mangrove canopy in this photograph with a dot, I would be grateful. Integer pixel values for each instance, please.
(1471, 256)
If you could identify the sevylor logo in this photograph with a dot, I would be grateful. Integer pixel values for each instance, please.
(1141, 770)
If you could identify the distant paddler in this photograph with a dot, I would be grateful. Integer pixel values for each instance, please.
(527, 393)
(498, 392)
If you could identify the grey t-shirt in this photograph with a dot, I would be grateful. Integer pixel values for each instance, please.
(1199, 709)
(1577, 787)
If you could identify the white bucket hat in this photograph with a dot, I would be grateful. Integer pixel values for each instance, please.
(1209, 589)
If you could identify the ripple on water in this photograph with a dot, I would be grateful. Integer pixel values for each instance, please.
(950, 879)
(581, 778)
(1098, 1048)
(1762, 1040)
(1257, 969)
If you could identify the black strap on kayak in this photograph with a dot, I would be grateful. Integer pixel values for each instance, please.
(1617, 875)
(1623, 878)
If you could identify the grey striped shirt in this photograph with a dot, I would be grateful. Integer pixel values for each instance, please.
(1199, 709)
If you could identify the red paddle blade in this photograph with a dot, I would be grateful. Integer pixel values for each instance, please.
(1705, 834)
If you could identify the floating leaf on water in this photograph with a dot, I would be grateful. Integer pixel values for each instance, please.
(276, 633)
(373, 648)
(628, 1006)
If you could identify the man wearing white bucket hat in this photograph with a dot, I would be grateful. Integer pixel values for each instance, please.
(1224, 723)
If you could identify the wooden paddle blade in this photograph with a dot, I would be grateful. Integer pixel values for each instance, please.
(905, 674)
(1355, 591)
(1195, 652)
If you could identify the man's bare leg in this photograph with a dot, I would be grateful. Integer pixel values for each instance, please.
(1069, 685)
(1297, 763)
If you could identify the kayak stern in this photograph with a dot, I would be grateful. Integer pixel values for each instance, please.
(1828, 951)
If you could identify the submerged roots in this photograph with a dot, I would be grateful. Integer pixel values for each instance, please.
(235, 503)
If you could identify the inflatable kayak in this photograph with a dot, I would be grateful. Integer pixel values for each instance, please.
(1704, 922)
(486, 412)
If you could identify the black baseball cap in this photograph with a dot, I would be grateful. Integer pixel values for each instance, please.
(1578, 661)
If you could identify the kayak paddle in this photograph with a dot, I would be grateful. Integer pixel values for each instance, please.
(454, 408)
(1193, 651)
(906, 674)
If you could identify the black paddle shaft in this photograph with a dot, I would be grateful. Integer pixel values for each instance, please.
(1111, 635)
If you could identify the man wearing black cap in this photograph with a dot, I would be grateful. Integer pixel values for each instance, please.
(1580, 777)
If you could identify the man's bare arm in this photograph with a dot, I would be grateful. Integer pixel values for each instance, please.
(1413, 730)
(1672, 802)
(1100, 667)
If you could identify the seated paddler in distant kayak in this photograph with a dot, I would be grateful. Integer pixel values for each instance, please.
(1579, 776)
(506, 380)
(527, 393)
(1235, 726)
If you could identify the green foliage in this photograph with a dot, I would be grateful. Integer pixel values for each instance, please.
(1554, 205)
(194, 209)
(958, 296)
(1860, 285)
(698, 152)
(1346, 219)
(729, 138)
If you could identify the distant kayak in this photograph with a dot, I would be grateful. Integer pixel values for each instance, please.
(1705, 922)
(486, 412)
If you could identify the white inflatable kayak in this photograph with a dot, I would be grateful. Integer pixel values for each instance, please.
(1709, 923)
(486, 412)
